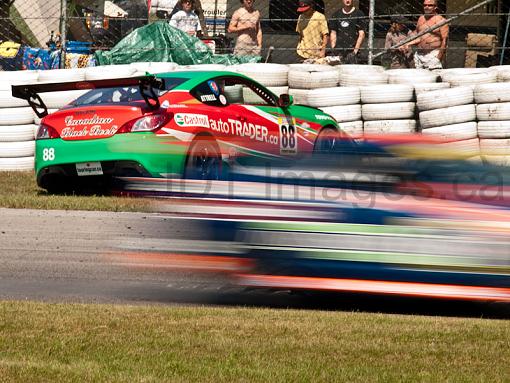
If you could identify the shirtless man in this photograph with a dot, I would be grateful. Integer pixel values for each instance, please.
(431, 46)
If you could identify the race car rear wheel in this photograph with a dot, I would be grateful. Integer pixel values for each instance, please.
(204, 160)
(326, 140)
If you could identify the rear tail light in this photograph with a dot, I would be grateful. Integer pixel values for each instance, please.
(46, 132)
(148, 123)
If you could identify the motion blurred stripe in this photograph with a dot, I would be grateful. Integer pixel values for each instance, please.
(380, 287)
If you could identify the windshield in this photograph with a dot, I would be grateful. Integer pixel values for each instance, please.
(122, 94)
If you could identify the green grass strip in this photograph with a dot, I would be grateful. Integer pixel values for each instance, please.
(19, 190)
(102, 343)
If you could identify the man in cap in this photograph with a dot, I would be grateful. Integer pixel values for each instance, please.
(313, 32)
(348, 27)
(398, 32)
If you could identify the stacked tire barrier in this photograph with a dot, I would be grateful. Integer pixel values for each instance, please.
(468, 108)
(450, 115)
(493, 114)
(273, 76)
(468, 76)
(17, 128)
(388, 109)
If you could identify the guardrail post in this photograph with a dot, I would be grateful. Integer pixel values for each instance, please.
(371, 12)
(63, 32)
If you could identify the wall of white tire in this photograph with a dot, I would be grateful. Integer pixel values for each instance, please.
(468, 108)
(17, 128)
(18, 122)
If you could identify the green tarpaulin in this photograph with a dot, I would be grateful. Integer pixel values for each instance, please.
(159, 41)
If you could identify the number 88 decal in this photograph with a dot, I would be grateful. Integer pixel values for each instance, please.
(48, 154)
(288, 139)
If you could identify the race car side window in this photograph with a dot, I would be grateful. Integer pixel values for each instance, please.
(121, 94)
(223, 91)
(240, 90)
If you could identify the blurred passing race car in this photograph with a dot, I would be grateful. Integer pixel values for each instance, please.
(179, 124)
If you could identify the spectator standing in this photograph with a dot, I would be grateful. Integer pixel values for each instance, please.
(186, 19)
(246, 23)
(431, 47)
(347, 27)
(313, 32)
(398, 32)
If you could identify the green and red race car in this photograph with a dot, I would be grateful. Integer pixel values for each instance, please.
(178, 124)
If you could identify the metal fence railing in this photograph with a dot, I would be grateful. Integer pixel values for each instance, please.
(478, 30)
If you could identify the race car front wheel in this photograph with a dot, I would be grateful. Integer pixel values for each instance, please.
(204, 160)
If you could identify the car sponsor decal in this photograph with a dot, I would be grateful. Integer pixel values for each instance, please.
(48, 154)
(192, 119)
(207, 97)
(77, 128)
(167, 105)
(322, 117)
(214, 87)
(230, 126)
(223, 100)
(288, 136)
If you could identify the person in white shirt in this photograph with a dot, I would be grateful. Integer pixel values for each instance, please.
(186, 19)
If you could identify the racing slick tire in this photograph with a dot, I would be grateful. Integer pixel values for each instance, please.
(325, 141)
(203, 160)
(444, 98)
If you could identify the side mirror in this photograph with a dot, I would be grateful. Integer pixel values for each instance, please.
(285, 100)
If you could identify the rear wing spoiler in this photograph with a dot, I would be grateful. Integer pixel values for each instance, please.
(147, 84)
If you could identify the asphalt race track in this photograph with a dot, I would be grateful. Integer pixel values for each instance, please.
(71, 256)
